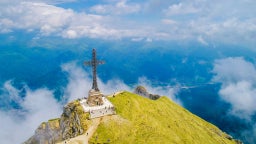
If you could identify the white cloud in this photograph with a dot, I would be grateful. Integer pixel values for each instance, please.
(37, 106)
(12, 92)
(38, 1)
(35, 16)
(119, 8)
(218, 21)
(52, 20)
(230, 70)
(201, 40)
(80, 83)
(238, 78)
(181, 8)
(70, 34)
(238, 88)
(169, 21)
(242, 97)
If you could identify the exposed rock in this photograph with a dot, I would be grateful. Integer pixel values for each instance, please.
(154, 96)
(73, 122)
(140, 90)
(46, 133)
(70, 122)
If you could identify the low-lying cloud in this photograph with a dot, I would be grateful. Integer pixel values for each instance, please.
(238, 79)
(35, 106)
(80, 83)
(242, 97)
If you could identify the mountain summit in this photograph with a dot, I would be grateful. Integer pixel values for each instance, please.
(137, 120)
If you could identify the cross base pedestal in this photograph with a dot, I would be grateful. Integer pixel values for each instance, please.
(94, 98)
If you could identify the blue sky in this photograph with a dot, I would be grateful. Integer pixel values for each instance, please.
(204, 21)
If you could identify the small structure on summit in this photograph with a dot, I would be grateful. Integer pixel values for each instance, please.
(94, 95)
(97, 105)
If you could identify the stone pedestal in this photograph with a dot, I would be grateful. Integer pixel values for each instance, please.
(94, 98)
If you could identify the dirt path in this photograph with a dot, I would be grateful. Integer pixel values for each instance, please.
(92, 129)
(83, 139)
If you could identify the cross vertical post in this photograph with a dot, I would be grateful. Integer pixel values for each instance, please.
(94, 62)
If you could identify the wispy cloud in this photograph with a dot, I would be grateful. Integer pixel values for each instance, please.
(202, 41)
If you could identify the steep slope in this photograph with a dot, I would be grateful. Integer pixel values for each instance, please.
(141, 120)
(138, 120)
(73, 122)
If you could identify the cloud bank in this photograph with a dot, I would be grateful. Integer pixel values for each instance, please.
(238, 79)
(80, 83)
(204, 21)
(50, 20)
(35, 107)
(22, 110)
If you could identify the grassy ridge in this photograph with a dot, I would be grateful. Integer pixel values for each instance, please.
(141, 120)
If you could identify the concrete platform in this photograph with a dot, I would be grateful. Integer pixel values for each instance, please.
(98, 111)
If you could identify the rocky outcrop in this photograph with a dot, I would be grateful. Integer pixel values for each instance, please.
(73, 122)
(140, 90)
(70, 121)
(47, 133)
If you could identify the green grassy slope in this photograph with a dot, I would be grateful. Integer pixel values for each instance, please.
(141, 120)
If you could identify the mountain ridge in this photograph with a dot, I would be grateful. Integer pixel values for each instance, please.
(142, 120)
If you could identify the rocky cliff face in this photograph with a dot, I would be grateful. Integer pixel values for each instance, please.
(73, 122)
(46, 133)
